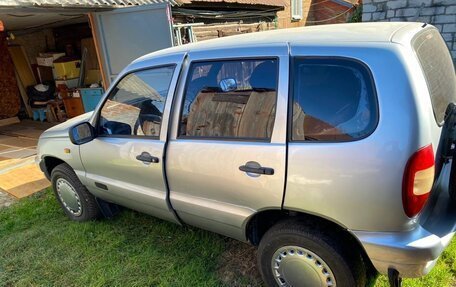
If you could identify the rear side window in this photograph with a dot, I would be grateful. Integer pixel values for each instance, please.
(233, 99)
(438, 70)
(333, 100)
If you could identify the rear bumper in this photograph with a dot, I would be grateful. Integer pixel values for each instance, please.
(414, 253)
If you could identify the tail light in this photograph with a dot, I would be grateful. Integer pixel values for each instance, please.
(418, 180)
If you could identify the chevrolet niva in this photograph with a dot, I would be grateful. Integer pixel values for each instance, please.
(329, 147)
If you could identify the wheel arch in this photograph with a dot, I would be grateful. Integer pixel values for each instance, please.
(49, 163)
(262, 221)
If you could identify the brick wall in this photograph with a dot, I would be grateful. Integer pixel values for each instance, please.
(440, 13)
(330, 12)
(284, 17)
(318, 12)
(9, 93)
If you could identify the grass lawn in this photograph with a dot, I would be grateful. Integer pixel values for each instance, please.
(39, 246)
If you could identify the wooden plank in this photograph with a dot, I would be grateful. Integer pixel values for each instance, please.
(206, 33)
(22, 65)
(206, 38)
(91, 62)
(9, 121)
(98, 49)
(23, 181)
(228, 25)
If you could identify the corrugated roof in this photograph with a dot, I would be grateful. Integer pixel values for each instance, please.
(82, 3)
(276, 3)
(125, 3)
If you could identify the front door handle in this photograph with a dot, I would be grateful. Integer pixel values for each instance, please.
(147, 157)
(256, 168)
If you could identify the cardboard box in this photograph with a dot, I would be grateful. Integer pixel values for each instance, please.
(45, 61)
(53, 55)
(70, 83)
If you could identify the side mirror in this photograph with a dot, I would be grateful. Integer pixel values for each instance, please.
(82, 133)
(228, 85)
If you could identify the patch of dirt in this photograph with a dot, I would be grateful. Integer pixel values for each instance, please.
(5, 199)
(237, 265)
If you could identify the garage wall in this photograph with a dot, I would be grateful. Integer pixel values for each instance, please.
(9, 93)
(35, 42)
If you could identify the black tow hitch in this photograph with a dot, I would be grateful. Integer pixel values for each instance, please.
(393, 277)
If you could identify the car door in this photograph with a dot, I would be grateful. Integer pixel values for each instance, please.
(226, 155)
(124, 163)
(122, 35)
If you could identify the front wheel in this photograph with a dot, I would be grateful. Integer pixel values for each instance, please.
(76, 201)
(292, 254)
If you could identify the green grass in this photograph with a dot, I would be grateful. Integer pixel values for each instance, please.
(39, 246)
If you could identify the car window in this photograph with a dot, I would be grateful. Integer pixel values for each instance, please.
(333, 100)
(135, 106)
(437, 65)
(233, 99)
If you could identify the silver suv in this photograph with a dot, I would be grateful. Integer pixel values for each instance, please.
(328, 147)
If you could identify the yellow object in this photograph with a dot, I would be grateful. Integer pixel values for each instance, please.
(67, 70)
(92, 77)
(23, 181)
(22, 65)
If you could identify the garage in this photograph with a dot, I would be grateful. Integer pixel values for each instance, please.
(57, 61)
(58, 58)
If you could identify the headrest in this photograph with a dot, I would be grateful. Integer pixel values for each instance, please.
(264, 76)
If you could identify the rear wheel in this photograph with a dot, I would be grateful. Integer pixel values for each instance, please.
(293, 254)
(74, 198)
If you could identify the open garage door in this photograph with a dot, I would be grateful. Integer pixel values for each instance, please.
(122, 35)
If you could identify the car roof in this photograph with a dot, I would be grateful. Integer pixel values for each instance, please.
(323, 34)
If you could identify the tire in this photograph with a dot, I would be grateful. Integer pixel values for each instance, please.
(81, 205)
(318, 257)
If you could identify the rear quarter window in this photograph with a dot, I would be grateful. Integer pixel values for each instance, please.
(334, 100)
(438, 69)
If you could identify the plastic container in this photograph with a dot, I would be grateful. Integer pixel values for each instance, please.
(67, 70)
(90, 98)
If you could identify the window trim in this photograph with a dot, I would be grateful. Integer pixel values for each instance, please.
(293, 60)
(97, 121)
(296, 10)
(225, 139)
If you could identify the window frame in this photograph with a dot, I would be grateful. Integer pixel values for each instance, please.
(291, 97)
(98, 116)
(226, 139)
(296, 10)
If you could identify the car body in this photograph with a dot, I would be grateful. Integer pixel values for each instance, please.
(280, 159)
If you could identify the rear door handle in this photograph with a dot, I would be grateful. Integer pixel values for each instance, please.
(257, 170)
(147, 157)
